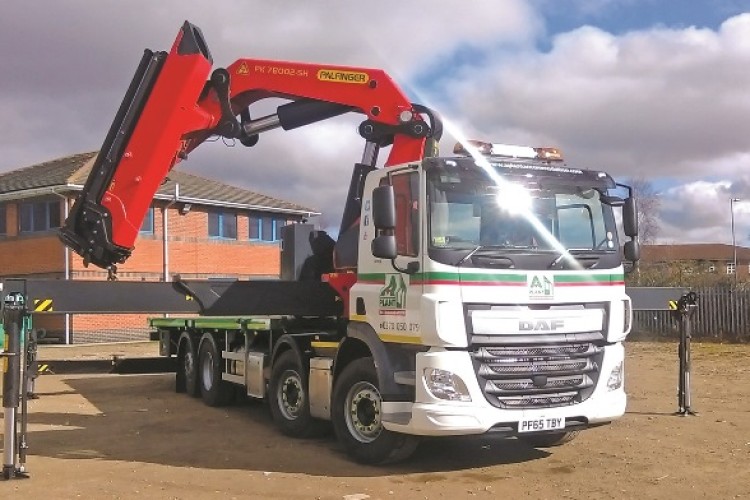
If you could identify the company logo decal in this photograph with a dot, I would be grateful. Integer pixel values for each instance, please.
(392, 297)
(243, 69)
(334, 75)
(540, 286)
(541, 325)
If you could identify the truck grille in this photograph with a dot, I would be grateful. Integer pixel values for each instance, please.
(538, 376)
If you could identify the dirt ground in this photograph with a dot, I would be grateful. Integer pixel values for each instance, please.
(114, 436)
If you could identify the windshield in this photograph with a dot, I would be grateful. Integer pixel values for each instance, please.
(469, 213)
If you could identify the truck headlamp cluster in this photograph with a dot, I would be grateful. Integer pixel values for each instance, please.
(446, 385)
(616, 376)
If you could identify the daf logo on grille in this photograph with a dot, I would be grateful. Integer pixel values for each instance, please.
(540, 325)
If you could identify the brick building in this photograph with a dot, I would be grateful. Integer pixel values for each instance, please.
(213, 230)
(717, 258)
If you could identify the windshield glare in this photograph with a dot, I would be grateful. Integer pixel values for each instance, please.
(470, 212)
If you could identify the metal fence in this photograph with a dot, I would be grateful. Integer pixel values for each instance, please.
(722, 314)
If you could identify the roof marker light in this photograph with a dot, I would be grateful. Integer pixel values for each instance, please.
(510, 151)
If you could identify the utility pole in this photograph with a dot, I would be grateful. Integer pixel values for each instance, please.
(733, 303)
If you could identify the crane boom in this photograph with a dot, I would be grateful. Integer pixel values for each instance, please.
(175, 102)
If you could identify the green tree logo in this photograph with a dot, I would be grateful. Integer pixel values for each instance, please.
(393, 294)
(541, 286)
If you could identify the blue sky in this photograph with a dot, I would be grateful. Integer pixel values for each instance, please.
(620, 16)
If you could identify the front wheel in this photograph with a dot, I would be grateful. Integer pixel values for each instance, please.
(549, 440)
(358, 418)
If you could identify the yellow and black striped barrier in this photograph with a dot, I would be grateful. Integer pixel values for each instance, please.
(44, 369)
(43, 305)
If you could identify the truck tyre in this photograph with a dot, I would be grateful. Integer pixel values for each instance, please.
(214, 390)
(289, 398)
(549, 440)
(357, 417)
(187, 365)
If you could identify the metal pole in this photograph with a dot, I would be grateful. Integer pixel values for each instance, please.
(687, 333)
(685, 309)
(733, 303)
(12, 320)
(30, 368)
(165, 232)
(681, 375)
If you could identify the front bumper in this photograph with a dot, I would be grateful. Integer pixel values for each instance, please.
(431, 416)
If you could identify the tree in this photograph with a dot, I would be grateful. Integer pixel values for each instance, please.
(649, 205)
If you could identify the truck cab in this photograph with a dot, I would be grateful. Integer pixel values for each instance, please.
(504, 271)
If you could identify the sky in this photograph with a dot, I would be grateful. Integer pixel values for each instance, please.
(652, 89)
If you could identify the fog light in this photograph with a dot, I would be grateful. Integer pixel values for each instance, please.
(446, 385)
(615, 378)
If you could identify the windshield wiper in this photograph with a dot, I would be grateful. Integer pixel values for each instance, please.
(585, 260)
(491, 248)
(468, 255)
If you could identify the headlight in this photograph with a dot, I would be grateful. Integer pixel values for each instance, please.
(446, 385)
(616, 377)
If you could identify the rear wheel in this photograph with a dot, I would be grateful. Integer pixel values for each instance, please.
(358, 418)
(289, 398)
(214, 390)
(187, 365)
(548, 440)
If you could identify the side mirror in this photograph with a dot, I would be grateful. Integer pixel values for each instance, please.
(630, 217)
(383, 208)
(384, 246)
(384, 220)
(632, 250)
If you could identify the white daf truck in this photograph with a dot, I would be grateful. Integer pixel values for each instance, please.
(474, 293)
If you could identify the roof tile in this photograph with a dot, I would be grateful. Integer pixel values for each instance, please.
(74, 169)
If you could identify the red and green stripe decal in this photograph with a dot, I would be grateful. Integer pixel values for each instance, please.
(492, 279)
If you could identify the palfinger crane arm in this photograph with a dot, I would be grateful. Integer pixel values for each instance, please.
(173, 105)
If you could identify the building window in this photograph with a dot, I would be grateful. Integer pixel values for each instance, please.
(711, 268)
(730, 268)
(222, 225)
(265, 228)
(148, 222)
(39, 216)
(254, 227)
(3, 220)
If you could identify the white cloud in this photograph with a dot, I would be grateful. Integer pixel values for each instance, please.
(659, 102)
(656, 102)
(701, 211)
(66, 66)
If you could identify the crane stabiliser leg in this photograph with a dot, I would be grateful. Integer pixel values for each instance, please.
(12, 318)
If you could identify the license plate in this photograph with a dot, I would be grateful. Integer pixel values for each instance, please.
(541, 424)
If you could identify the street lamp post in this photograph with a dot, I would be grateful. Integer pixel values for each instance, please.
(732, 201)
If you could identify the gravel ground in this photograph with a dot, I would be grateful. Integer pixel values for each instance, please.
(115, 436)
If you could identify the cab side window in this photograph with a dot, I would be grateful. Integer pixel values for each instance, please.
(406, 190)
